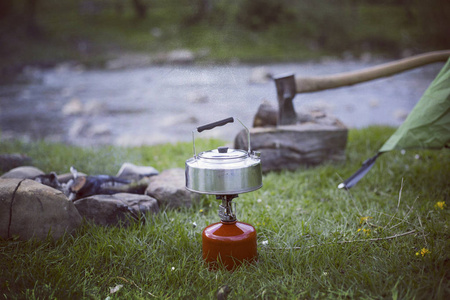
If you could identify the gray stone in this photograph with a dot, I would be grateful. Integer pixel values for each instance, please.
(73, 107)
(29, 210)
(82, 128)
(99, 130)
(94, 108)
(169, 188)
(156, 32)
(267, 115)
(197, 97)
(129, 61)
(401, 114)
(180, 56)
(23, 172)
(133, 172)
(78, 128)
(14, 160)
(260, 75)
(116, 209)
(292, 146)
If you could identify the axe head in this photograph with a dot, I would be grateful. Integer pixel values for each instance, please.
(286, 91)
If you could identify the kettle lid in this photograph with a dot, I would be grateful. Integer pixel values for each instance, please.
(223, 155)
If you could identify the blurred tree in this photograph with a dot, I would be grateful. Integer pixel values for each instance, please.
(33, 28)
(119, 7)
(6, 7)
(203, 10)
(261, 14)
(140, 8)
(434, 16)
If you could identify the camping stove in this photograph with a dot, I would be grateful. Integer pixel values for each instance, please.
(225, 173)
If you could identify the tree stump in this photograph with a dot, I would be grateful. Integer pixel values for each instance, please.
(292, 146)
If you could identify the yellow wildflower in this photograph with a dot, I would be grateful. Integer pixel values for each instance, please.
(423, 252)
(364, 219)
(366, 231)
(201, 210)
(440, 204)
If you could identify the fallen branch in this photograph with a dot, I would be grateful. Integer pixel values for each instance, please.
(352, 241)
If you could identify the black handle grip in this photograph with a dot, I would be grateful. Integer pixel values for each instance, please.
(215, 124)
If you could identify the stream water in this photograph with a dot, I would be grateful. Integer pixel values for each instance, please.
(160, 104)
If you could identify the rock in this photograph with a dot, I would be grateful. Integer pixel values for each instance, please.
(76, 107)
(129, 61)
(292, 146)
(32, 210)
(130, 171)
(169, 188)
(94, 108)
(348, 55)
(73, 107)
(305, 117)
(401, 114)
(82, 128)
(374, 103)
(260, 75)
(78, 127)
(116, 209)
(156, 32)
(267, 115)
(23, 172)
(197, 97)
(11, 161)
(99, 130)
(366, 57)
(203, 52)
(180, 56)
(320, 105)
(324, 118)
(223, 292)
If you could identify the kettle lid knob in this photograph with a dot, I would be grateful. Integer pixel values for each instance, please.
(222, 149)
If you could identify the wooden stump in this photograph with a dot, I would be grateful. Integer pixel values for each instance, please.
(292, 146)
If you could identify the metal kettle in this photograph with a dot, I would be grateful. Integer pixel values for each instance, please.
(223, 171)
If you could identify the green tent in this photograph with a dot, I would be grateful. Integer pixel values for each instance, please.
(426, 127)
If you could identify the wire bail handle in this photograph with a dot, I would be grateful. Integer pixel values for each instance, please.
(217, 124)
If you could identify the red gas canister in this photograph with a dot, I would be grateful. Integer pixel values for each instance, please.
(229, 244)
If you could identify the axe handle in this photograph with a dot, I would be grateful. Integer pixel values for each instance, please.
(313, 84)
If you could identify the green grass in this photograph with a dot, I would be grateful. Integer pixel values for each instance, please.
(313, 248)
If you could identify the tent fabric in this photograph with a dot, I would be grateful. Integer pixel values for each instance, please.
(426, 127)
(428, 124)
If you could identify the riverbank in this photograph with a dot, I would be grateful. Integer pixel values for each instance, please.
(94, 32)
